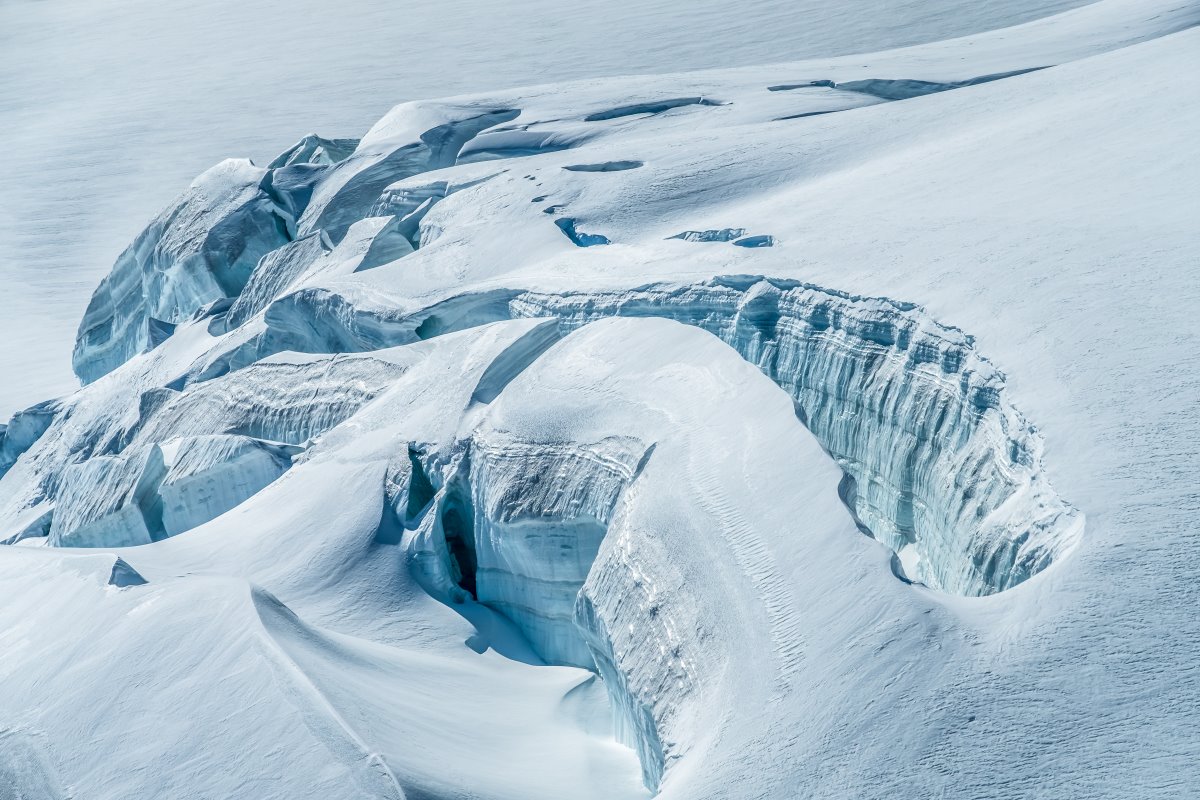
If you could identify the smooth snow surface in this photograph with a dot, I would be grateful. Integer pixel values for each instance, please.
(112, 107)
(824, 429)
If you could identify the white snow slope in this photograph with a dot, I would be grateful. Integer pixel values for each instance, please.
(112, 105)
(825, 429)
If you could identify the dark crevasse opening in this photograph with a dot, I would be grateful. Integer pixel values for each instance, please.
(421, 491)
(460, 545)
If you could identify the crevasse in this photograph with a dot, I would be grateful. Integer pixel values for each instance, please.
(517, 525)
(940, 466)
(540, 515)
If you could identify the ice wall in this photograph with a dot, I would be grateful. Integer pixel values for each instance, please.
(153, 491)
(109, 501)
(209, 475)
(540, 514)
(940, 466)
(200, 249)
(22, 430)
(203, 248)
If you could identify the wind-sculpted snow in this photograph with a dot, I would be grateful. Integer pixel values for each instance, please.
(519, 143)
(523, 449)
(393, 150)
(534, 516)
(25, 769)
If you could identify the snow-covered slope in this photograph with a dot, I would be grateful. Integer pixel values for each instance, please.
(113, 106)
(815, 430)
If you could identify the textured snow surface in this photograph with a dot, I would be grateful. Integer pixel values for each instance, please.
(824, 429)
(159, 92)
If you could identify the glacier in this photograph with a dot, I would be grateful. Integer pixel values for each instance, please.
(816, 429)
(202, 93)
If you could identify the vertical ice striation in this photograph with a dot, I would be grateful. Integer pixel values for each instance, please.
(208, 475)
(110, 501)
(941, 467)
(541, 511)
(98, 479)
(634, 723)
(23, 429)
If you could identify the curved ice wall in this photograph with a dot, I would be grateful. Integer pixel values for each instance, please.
(940, 466)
